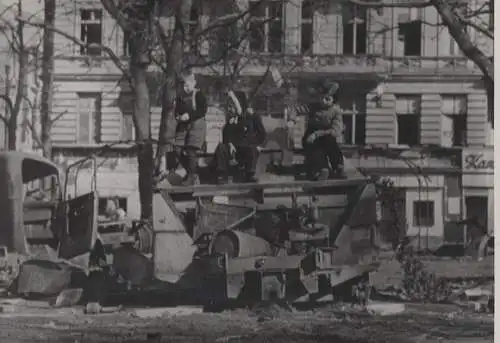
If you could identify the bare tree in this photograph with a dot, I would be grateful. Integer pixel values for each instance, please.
(135, 18)
(459, 18)
(14, 34)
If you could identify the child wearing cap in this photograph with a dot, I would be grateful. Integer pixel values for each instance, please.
(321, 150)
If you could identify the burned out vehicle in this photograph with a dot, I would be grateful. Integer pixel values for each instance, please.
(298, 241)
(34, 210)
(295, 241)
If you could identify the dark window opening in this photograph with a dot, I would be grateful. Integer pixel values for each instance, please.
(459, 130)
(266, 27)
(423, 213)
(126, 44)
(354, 129)
(192, 39)
(91, 31)
(307, 27)
(354, 30)
(411, 34)
(409, 129)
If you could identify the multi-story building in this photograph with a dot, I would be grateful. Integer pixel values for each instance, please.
(405, 87)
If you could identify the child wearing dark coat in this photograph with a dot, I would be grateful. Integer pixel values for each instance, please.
(190, 132)
(242, 138)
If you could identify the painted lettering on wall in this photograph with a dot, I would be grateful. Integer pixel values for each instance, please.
(478, 162)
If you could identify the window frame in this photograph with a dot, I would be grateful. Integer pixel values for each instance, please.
(266, 23)
(306, 21)
(94, 120)
(429, 206)
(353, 113)
(84, 51)
(415, 112)
(353, 10)
(459, 112)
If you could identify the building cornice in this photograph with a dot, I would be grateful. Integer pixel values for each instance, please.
(414, 77)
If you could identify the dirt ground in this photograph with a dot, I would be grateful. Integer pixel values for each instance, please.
(331, 323)
(419, 323)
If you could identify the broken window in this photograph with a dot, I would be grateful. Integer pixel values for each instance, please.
(266, 27)
(354, 29)
(354, 120)
(423, 213)
(307, 27)
(91, 31)
(454, 121)
(410, 31)
(408, 119)
(121, 202)
(89, 118)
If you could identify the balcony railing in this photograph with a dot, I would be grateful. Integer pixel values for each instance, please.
(329, 63)
(446, 65)
(332, 63)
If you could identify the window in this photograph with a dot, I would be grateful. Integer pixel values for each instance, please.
(476, 208)
(454, 112)
(88, 119)
(423, 213)
(266, 27)
(121, 202)
(269, 106)
(454, 48)
(307, 27)
(408, 119)
(42, 189)
(91, 31)
(128, 128)
(354, 24)
(410, 32)
(126, 44)
(354, 119)
(192, 41)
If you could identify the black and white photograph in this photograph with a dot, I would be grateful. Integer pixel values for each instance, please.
(246, 171)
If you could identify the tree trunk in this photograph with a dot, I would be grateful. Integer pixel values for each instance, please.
(141, 117)
(47, 77)
(174, 52)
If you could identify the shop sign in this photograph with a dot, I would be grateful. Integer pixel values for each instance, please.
(478, 161)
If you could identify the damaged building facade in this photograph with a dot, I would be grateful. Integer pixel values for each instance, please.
(414, 108)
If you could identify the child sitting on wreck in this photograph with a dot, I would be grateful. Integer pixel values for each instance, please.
(242, 137)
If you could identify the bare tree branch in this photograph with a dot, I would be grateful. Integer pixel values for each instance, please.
(116, 60)
(463, 38)
(56, 118)
(471, 23)
(114, 10)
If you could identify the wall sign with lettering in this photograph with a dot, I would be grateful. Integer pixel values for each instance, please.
(478, 162)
